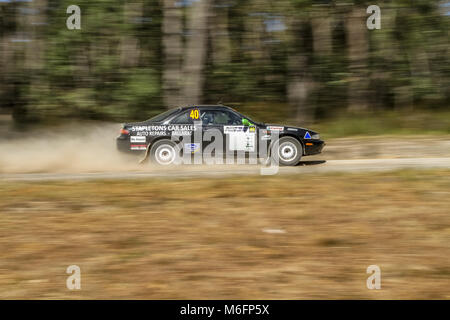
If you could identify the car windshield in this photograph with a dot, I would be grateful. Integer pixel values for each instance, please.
(162, 116)
(243, 116)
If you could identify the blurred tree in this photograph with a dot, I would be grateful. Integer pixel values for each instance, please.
(7, 29)
(311, 58)
(218, 33)
(357, 41)
(196, 51)
(173, 49)
(129, 43)
(300, 82)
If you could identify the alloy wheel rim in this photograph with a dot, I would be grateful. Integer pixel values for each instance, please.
(165, 154)
(287, 151)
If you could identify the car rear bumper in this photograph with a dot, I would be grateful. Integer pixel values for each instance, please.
(123, 144)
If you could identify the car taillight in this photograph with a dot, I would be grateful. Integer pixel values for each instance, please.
(124, 131)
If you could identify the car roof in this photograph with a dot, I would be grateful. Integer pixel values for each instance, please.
(205, 106)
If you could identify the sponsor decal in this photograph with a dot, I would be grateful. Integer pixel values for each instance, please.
(233, 129)
(182, 127)
(249, 143)
(192, 147)
(181, 133)
(138, 147)
(163, 130)
(151, 133)
(173, 127)
(307, 135)
(292, 129)
(148, 128)
(275, 128)
(240, 139)
(266, 137)
(138, 139)
(243, 141)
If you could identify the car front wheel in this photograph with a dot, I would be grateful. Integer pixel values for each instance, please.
(288, 151)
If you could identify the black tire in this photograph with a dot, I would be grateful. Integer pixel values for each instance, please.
(165, 152)
(287, 151)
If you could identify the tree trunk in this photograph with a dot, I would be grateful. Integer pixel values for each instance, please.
(220, 39)
(129, 43)
(196, 50)
(254, 34)
(299, 86)
(34, 24)
(357, 44)
(172, 46)
(322, 37)
(300, 82)
(321, 24)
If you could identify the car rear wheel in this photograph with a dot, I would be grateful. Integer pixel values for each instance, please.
(165, 152)
(288, 151)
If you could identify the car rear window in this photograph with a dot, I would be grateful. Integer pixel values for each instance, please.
(162, 116)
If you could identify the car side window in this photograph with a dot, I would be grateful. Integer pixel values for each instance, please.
(207, 118)
(218, 117)
(233, 119)
(183, 118)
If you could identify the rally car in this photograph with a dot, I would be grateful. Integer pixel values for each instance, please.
(241, 135)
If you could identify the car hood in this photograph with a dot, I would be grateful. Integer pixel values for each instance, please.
(290, 128)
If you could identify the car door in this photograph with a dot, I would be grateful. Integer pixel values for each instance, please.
(211, 128)
(237, 137)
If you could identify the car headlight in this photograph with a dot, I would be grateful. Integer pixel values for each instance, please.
(315, 136)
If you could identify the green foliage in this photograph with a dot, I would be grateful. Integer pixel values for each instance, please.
(386, 123)
(113, 67)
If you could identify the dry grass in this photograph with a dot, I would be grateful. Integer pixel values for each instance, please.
(205, 239)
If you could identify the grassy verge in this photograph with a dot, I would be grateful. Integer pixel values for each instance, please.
(342, 124)
(417, 122)
(388, 123)
(282, 237)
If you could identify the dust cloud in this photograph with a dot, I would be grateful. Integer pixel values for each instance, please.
(88, 147)
(70, 148)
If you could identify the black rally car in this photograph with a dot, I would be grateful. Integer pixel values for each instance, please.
(241, 134)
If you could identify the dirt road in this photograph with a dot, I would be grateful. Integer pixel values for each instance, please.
(81, 151)
(306, 167)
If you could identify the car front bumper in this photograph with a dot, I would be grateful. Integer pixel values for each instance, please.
(313, 147)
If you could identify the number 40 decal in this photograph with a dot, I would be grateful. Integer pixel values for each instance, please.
(194, 114)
